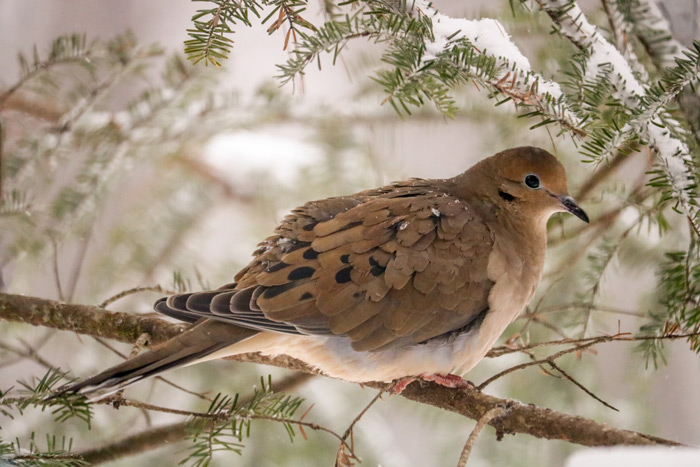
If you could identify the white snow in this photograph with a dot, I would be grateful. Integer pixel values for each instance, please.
(604, 52)
(487, 34)
(240, 156)
(655, 21)
(435, 212)
(637, 456)
(673, 153)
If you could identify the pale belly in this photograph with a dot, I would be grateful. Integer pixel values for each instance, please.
(334, 356)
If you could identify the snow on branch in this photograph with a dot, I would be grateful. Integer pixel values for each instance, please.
(674, 156)
(514, 78)
(655, 32)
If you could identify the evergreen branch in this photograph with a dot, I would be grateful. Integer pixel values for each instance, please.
(212, 26)
(80, 198)
(679, 291)
(374, 21)
(226, 422)
(64, 50)
(209, 39)
(623, 30)
(674, 160)
(431, 66)
(57, 453)
(527, 419)
(169, 434)
(35, 392)
(649, 25)
(289, 12)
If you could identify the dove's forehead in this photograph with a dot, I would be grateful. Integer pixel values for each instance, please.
(516, 163)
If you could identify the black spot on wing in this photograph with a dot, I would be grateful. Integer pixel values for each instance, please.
(301, 273)
(343, 276)
(310, 254)
(277, 267)
(272, 292)
(377, 269)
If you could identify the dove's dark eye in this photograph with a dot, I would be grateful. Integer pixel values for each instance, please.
(532, 181)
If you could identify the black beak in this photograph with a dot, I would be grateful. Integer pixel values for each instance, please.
(571, 206)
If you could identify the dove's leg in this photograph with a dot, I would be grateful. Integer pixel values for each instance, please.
(448, 380)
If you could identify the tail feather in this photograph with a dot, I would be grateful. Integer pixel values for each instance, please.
(194, 344)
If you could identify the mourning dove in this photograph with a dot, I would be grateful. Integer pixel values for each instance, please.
(415, 279)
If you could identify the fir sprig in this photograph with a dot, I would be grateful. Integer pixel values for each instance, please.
(36, 393)
(679, 295)
(210, 38)
(227, 422)
(56, 453)
(69, 49)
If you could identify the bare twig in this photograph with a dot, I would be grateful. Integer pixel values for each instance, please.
(581, 386)
(548, 359)
(343, 457)
(502, 350)
(56, 272)
(484, 420)
(78, 266)
(2, 153)
(600, 175)
(125, 293)
(139, 345)
(28, 353)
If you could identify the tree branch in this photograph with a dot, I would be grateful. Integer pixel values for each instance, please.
(521, 418)
(158, 437)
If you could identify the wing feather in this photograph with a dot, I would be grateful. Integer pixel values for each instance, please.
(393, 266)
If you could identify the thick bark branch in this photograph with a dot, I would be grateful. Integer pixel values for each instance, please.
(520, 418)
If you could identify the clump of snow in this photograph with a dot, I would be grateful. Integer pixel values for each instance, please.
(244, 156)
(487, 35)
(606, 53)
(436, 212)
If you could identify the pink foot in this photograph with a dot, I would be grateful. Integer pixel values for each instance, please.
(448, 380)
(401, 384)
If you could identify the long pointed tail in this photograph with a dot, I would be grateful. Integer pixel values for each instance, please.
(197, 342)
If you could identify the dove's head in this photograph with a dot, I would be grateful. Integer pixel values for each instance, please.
(527, 182)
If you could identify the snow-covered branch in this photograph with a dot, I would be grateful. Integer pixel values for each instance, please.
(514, 77)
(674, 159)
